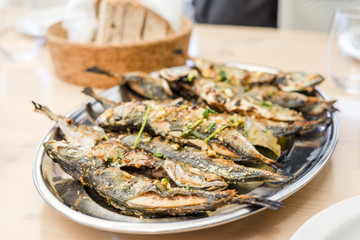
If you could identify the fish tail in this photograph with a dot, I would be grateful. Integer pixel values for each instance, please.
(45, 110)
(259, 201)
(104, 101)
(329, 106)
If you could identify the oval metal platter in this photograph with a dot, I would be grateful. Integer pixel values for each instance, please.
(303, 159)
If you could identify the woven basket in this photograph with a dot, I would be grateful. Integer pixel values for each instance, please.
(102, 66)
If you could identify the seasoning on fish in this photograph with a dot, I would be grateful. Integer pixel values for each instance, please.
(297, 81)
(227, 169)
(173, 121)
(294, 100)
(134, 195)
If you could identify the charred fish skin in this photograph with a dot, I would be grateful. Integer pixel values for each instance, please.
(133, 195)
(182, 174)
(148, 87)
(116, 154)
(281, 129)
(227, 169)
(297, 81)
(308, 104)
(174, 122)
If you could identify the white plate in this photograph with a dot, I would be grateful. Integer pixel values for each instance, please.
(339, 221)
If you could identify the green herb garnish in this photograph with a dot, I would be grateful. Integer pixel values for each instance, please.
(109, 161)
(100, 148)
(142, 126)
(119, 154)
(158, 154)
(246, 134)
(190, 129)
(211, 127)
(207, 112)
(187, 187)
(224, 76)
(263, 130)
(217, 131)
(271, 94)
(266, 104)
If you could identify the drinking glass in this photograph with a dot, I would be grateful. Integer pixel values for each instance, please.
(343, 49)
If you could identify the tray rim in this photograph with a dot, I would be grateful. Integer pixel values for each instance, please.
(172, 227)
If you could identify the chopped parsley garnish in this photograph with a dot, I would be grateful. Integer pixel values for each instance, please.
(266, 104)
(207, 112)
(187, 187)
(190, 129)
(216, 132)
(246, 134)
(263, 130)
(142, 126)
(211, 127)
(119, 154)
(100, 148)
(158, 154)
(109, 161)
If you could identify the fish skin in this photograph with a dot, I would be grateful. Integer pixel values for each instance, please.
(282, 129)
(307, 104)
(227, 169)
(86, 136)
(163, 120)
(83, 135)
(146, 86)
(234, 99)
(121, 189)
(297, 81)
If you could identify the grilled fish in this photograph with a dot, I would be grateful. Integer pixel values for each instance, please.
(133, 195)
(297, 81)
(178, 123)
(307, 104)
(113, 153)
(227, 169)
(146, 86)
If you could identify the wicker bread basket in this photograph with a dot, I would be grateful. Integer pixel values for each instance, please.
(101, 66)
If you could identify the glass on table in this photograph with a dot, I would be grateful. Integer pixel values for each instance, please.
(343, 49)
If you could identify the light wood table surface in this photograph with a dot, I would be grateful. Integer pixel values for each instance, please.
(25, 215)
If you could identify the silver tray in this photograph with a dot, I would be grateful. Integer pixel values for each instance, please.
(304, 159)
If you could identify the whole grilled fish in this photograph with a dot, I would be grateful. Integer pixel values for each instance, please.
(297, 81)
(134, 195)
(113, 153)
(116, 154)
(307, 104)
(180, 122)
(227, 169)
(146, 86)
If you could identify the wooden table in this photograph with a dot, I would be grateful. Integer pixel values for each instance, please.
(25, 215)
